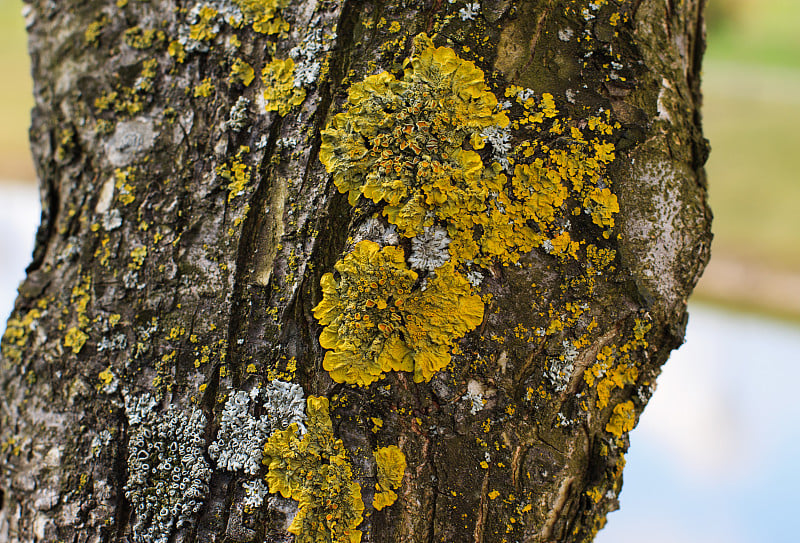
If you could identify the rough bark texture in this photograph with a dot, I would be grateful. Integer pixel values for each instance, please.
(183, 243)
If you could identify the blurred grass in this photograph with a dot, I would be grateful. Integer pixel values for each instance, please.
(15, 95)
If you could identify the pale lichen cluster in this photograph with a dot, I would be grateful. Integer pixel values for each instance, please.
(167, 472)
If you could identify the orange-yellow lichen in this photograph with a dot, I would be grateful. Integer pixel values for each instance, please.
(315, 471)
(622, 419)
(391, 466)
(377, 321)
(412, 145)
(280, 94)
(236, 172)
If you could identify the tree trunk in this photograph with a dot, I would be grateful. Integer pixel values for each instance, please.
(348, 271)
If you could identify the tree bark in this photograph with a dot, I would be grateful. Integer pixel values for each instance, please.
(200, 178)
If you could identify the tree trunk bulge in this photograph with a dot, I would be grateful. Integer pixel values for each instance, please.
(348, 271)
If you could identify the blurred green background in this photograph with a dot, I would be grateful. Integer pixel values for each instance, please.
(751, 81)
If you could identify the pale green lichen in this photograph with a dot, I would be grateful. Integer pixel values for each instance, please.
(314, 471)
(377, 321)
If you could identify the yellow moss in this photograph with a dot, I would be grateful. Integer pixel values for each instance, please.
(280, 94)
(391, 466)
(314, 471)
(622, 420)
(375, 321)
(241, 72)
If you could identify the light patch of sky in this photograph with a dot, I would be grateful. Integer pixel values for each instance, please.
(19, 217)
(714, 457)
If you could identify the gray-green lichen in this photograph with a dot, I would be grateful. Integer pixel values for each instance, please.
(167, 472)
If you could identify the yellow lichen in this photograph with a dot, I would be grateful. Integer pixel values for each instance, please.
(203, 29)
(622, 420)
(92, 33)
(142, 39)
(75, 338)
(264, 15)
(204, 88)
(280, 94)
(177, 51)
(237, 173)
(15, 338)
(411, 143)
(391, 466)
(241, 72)
(314, 471)
(376, 321)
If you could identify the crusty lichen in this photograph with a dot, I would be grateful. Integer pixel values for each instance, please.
(167, 472)
(412, 143)
(622, 419)
(377, 321)
(391, 466)
(314, 471)
(280, 92)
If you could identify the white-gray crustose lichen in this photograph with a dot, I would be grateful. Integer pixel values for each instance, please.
(500, 140)
(559, 371)
(241, 436)
(167, 473)
(254, 493)
(285, 404)
(429, 250)
(237, 118)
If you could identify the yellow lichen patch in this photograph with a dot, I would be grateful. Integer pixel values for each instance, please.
(622, 420)
(314, 471)
(177, 51)
(122, 182)
(92, 33)
(204, 88)
(391, 466)
(280, 94)
(411, 143)
(237, 173)
(204, 29)
(241, 72)
(15, 338)
(142, 39)
(264, 15)
(75, 338)
(376, 321)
